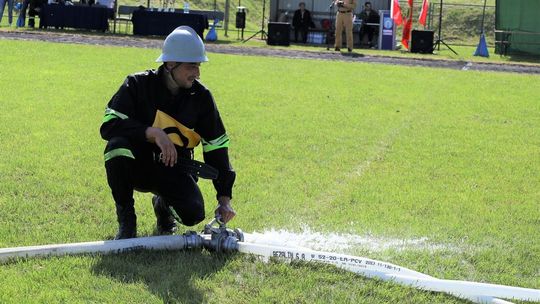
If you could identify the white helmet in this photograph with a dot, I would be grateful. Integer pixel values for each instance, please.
(183, 45)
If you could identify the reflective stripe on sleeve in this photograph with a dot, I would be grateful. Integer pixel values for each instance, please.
(218, 143)
(112, 114)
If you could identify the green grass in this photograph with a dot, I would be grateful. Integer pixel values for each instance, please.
(394, 152)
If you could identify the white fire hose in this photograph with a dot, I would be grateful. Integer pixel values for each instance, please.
(472, 291)
(225, 240)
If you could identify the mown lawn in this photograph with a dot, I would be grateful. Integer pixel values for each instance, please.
(364, 149)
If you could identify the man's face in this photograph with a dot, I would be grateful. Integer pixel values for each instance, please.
(185, 73)
(368, 7)
(302, 6)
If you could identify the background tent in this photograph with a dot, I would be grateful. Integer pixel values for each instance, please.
(517, 27)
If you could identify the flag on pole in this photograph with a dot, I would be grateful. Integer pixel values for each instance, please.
(407, 27)
(396, 13)
(423, 12)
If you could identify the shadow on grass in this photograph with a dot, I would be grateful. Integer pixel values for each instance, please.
(224, 42)
(170, 275)
(522, 58)
(353, 55)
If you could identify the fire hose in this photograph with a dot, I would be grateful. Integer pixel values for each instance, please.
(221, 239)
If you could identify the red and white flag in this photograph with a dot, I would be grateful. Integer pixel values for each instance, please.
(423, 12)
(407, 27)
(396, 13)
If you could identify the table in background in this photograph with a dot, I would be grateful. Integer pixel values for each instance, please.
(75, 16)
(146, 22)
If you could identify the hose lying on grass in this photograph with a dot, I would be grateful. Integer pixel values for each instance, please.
(472, 291)
(226, 240)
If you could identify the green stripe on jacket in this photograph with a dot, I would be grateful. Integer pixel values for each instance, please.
(113, 114)
(218, 143)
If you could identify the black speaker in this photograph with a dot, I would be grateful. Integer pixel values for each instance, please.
(240, 20)
(279, 33)
(422, 42)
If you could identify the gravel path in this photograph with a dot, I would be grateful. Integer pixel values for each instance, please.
(133, 41)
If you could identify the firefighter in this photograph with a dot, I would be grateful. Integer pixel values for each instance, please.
(151, 125)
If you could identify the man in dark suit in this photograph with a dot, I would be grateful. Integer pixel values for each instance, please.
(302, 22)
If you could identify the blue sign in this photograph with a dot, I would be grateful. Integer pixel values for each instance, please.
(388, 26)
(386, 31)
(388, 23)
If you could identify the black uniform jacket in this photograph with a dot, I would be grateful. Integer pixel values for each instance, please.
(188, 118)
(302, 22)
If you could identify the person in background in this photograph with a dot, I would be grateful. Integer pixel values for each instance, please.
(302, 22)
(368, 15)
(33, 11)
(21, 20)
(9, 4)
(151, 125)
(34, 7)
(344, 20)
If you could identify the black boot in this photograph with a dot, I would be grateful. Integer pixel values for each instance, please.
(165, 220)
(127, 222)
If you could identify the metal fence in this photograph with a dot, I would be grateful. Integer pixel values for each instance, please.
(461, 24)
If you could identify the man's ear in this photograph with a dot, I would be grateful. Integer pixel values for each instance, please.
(170, 66)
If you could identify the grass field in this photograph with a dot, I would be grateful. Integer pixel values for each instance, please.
(351, 148)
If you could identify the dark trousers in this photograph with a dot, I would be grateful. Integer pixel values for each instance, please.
(369, 31)
(141, 171)
(303, 31)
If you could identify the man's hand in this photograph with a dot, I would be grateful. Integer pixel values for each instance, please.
(168, 152)
(224, 211)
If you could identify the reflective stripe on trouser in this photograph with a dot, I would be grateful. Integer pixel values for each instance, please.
(344, 21)
(120, 180)
(118, 146)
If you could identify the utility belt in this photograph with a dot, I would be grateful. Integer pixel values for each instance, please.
(344, 12)
(192, 167)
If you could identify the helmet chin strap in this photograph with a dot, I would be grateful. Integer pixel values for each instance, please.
(170, 80)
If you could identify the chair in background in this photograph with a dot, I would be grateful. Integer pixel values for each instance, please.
(124, 15)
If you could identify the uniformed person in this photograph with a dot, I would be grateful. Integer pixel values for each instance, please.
(152, 124)
(344, 20)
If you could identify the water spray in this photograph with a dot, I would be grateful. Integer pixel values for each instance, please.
(216, 237)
